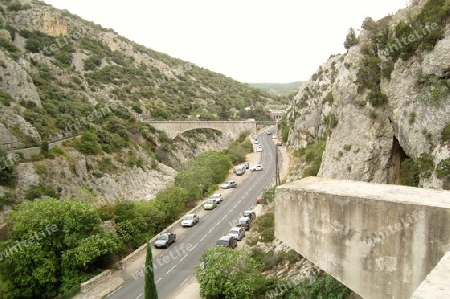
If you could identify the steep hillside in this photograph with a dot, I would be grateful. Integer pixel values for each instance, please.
(66, 79)
(380, 112)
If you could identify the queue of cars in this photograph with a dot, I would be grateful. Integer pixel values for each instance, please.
(236, 233)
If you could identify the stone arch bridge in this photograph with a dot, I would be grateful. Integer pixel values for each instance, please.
(230, 128)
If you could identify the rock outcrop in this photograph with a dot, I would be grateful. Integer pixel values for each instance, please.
(369, 141)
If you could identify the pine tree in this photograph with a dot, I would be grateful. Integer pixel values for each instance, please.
(150, 291)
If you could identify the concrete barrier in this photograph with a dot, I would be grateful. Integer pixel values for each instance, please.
(379, 240)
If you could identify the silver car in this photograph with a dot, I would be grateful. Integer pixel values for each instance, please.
(190, 220)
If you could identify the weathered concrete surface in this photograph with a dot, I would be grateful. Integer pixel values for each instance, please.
(379, 240)
(436, 284)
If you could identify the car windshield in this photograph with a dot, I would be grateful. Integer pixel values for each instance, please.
(234, 231)
(216, 196)
(209, 201)
(246, 213)
(163, 237)
(188, 217)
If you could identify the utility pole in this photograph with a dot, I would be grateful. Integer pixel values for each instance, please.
(277, 169)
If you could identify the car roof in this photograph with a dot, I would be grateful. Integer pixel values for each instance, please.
(244, 218)
(236, 228)
(224, 238)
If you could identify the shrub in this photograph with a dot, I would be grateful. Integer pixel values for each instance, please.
(409, 173)
(377, 98)
(37, 191)
(264, 225)
(7, 199)
(445, 134)
(351, 39)
(443, 168)
(88, 144)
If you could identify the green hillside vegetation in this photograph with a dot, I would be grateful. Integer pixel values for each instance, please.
(91, 89)
(73, 247)
(279, 88)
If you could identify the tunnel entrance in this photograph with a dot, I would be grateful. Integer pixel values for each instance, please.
(398, 155)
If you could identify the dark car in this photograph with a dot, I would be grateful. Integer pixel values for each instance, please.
(247, 165)
(250, 214)
(244, 222)
(227, 241)
(165, 240)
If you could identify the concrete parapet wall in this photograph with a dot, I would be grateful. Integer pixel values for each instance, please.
(379, 240)
(95, 281)
(437, 283)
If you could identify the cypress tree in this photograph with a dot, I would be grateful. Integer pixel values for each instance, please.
(150, 291)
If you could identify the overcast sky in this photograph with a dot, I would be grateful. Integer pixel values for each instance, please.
(248, 40)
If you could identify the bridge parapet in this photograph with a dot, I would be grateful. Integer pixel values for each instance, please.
(231, 128)
(379, 240)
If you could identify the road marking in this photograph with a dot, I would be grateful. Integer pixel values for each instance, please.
(184, 257)
(158, 280)
(139, 296)
(170, 270)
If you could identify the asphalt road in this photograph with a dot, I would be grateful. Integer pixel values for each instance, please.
(175, 265)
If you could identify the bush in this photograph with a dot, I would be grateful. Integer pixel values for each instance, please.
(264, 225)
(37, 191)
(443, 168)
(445, 134)
(312, 154)
(88, 144)
(377, 98)
(351, 39)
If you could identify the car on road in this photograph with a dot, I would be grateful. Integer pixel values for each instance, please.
(237, 232)
(209, 204)
(255, 141)
(279, 143)
(240, 170)
(257, 167)
(244, 222)
(165, 240)
(259, 199)
(250, 214)
(247, 165)
(259, 149)
(190, 220)
(269, 132)
(228, 184)
(274, 136)
(227, 241)
(217, 197)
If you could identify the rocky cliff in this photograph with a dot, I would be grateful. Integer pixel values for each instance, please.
(383, 108)
(72, 99)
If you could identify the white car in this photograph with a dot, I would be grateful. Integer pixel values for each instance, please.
(259, 149)
(257, 167)
(228, 184)
(218, 198)
(190, 220)
(237, 232)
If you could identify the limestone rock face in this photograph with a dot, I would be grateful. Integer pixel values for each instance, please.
(15, 80)
(369, 143)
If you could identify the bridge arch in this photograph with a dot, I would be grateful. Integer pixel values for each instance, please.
(230, 128)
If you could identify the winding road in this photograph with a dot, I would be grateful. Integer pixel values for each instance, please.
(175, 265)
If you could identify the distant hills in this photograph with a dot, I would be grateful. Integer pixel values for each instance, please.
(279, 88)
